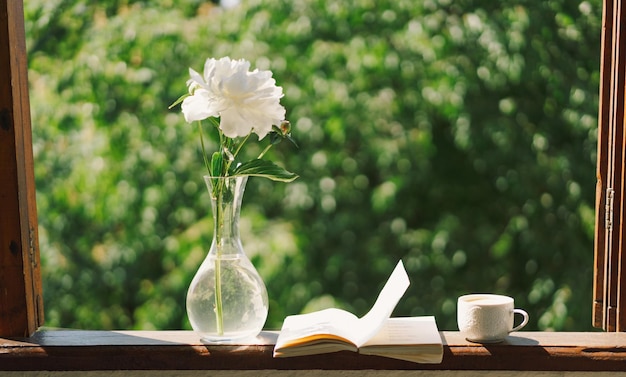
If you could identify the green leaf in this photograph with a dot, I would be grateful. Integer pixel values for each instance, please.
(217, 164)
(288, 137)
(275, 138)
(266, 169)
(179, 100)
(283, 132)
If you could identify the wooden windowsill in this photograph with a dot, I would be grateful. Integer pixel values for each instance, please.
(78, 350)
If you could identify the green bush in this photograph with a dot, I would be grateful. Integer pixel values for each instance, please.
(459, 136)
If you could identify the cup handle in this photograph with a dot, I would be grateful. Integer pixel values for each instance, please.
(524, 322)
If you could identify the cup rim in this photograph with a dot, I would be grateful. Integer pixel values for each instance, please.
(501, 299)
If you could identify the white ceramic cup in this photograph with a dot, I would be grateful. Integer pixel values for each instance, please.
(487, 318)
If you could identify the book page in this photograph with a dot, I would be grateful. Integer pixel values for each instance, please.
(388, 298)
(407, 331)
(415, 339)
(334, 324)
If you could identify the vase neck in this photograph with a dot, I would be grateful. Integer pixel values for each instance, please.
(226, 197)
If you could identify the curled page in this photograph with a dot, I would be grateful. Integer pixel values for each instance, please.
(388, 298)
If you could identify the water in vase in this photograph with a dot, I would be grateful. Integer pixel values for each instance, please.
(244, 302)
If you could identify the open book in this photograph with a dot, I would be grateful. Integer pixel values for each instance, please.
(414, 339)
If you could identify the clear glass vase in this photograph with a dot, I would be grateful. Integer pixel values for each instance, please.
(227, 299)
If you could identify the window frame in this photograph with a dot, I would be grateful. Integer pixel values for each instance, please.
(609, 299)
(128, 351)
(21, 299)
(21, 306)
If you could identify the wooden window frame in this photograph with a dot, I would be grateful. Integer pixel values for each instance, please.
(23, 348)
(21, 302)
(71, 350)
(609, 297)
(21, 307)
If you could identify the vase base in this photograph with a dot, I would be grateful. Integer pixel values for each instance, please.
(214, 340)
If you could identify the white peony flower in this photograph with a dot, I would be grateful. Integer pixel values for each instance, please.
(244, 101)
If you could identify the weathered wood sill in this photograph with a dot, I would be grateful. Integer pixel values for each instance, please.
(182, 350)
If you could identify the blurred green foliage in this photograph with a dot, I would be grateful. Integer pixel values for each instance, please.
(459, 136)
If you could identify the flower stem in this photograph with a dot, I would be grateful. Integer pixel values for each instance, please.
(219, 229)
(234, 155)
(219, 311)
(265, 151)
(204, 156)
(241, 144)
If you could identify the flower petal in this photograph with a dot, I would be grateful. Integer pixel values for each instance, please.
(233, 124)
(209, 69)
(197, 106)
(195, 81)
